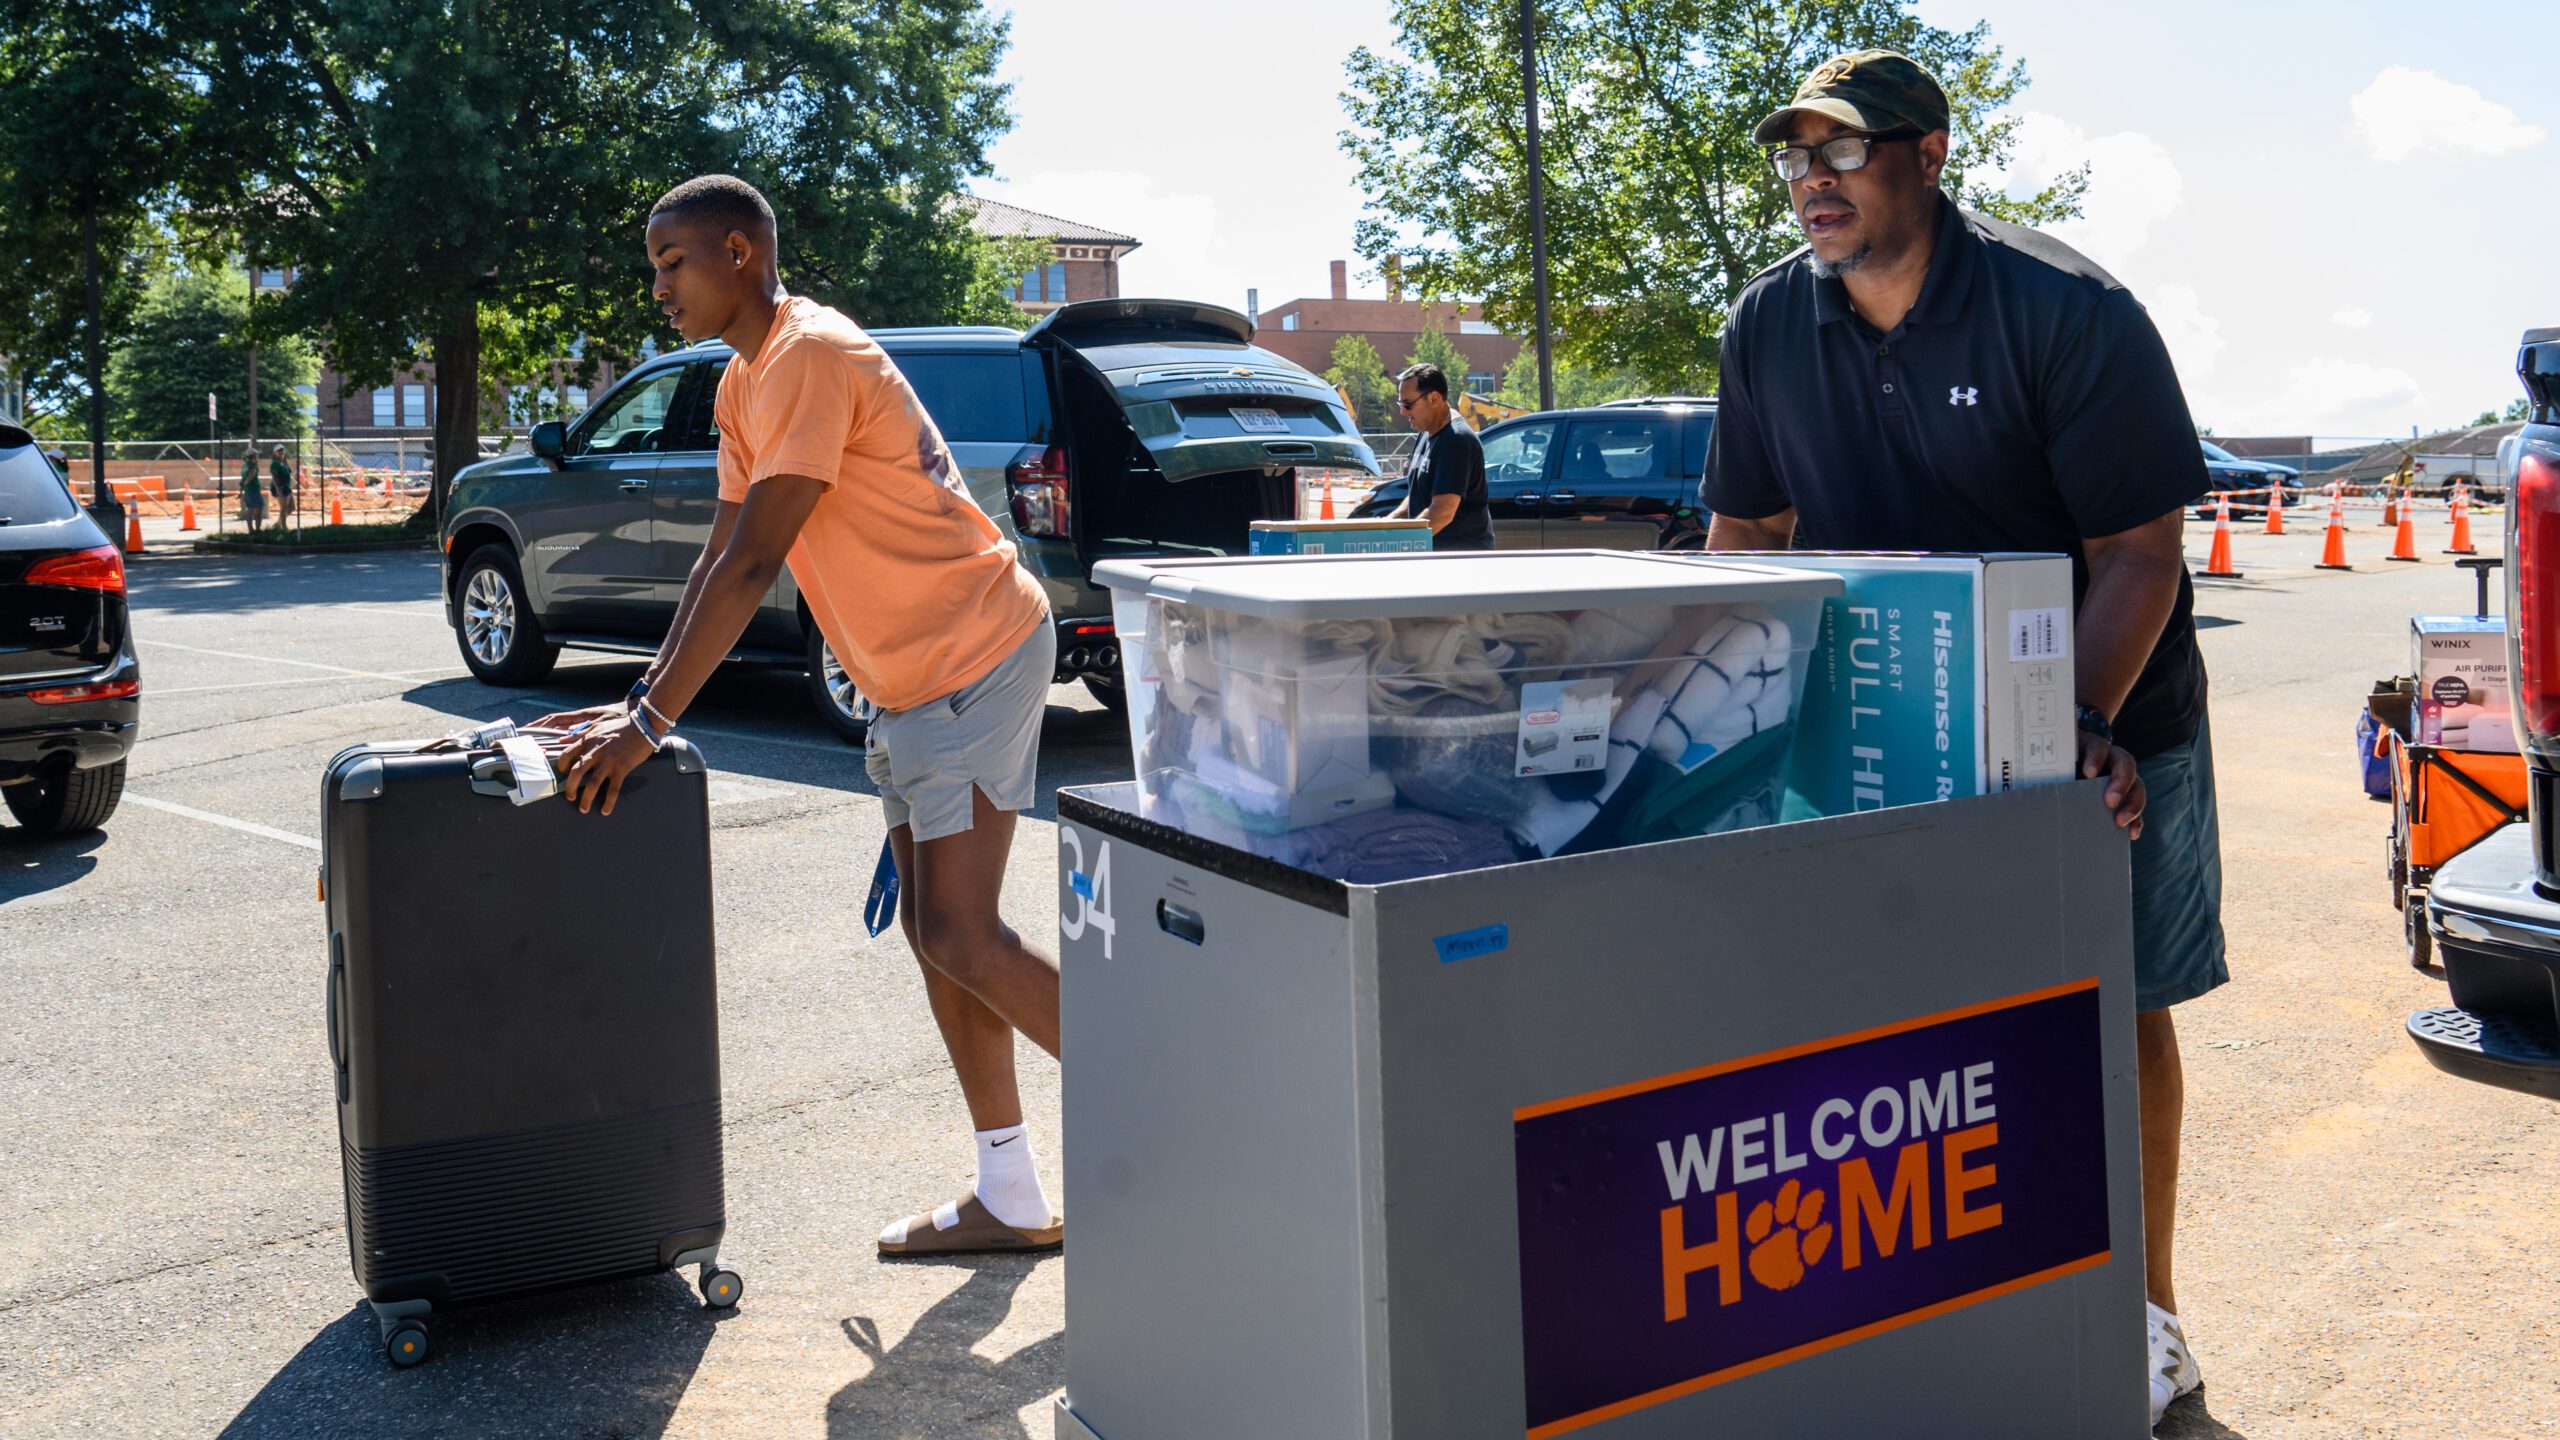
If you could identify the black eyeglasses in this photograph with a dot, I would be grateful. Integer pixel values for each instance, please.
(1840, 154)
(1404, 404)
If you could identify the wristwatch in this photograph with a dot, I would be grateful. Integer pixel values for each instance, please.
(2095, 723)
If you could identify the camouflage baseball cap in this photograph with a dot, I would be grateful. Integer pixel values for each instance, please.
(1871, 90)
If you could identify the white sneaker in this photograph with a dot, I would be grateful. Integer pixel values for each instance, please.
(2173, 1365)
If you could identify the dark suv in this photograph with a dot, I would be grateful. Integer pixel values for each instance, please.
(1621, 476)
(1111, 428)
(70, 688)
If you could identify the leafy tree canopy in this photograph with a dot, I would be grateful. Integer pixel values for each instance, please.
(1362, 375)
(1659, 206)
(189, 338)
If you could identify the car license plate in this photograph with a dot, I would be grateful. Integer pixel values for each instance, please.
(1260, 422)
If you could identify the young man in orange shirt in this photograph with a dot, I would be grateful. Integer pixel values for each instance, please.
(829, 464)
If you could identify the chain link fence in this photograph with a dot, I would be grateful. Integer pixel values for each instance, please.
(371, 479)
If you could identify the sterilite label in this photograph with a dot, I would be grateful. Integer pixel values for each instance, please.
(1564, 726)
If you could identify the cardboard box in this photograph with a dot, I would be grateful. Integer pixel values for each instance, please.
(2461, 665)
(1338, 537)
(1935, 677)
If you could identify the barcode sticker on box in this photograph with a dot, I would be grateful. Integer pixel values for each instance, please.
(2040, 634)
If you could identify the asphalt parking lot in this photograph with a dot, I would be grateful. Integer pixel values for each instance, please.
(2366, 1246)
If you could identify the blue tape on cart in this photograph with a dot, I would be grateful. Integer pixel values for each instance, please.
(1470, 944)
(1081, 883)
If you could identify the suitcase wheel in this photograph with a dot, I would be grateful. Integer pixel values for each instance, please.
(405, 1343)
(721, 1288)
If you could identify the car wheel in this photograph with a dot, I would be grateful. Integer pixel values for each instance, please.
(841, 701)
(494, 624)
(66, 801)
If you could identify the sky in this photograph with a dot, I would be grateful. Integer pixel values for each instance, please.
(2336, 213)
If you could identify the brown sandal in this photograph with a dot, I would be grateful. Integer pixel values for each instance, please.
(973, 1231)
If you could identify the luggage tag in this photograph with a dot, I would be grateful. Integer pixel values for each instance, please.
(529, 769)
(882, 908)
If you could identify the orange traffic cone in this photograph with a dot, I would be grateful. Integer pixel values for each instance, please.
(2333, 551)
(133, 532)
(2404, 546)
(2275, 509)
(2461, 524)
(187, 512)
(337, 514)
(1325, 510)
(2218, 563)
(2390, 508)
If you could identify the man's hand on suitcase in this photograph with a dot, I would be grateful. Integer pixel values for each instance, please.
(593, 765)
(572, 719)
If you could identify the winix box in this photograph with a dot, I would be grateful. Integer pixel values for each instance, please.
(1936, 677)
(2461, 665)
(1338, 537)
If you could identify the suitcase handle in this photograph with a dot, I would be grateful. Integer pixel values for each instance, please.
(337, 978)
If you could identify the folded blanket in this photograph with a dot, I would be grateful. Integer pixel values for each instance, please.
(1391, 845)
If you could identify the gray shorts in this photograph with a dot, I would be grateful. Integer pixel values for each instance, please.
(2177, 879)
(983, 736)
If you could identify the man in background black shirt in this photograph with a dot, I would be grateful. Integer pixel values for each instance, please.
(1445, 483)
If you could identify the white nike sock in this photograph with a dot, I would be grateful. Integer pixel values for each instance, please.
(1008, 1183)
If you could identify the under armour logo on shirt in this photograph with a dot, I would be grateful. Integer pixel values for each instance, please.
(1964, 395)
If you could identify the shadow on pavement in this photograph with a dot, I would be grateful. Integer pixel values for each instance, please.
(222, 584)
(31, 864)
(2189, 1420)
(934, 1382)
(599, 1360)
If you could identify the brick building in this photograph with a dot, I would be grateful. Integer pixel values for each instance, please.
(1306, 330)
(1084, 261)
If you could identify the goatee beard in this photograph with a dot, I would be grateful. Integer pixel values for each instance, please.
(1834, 269)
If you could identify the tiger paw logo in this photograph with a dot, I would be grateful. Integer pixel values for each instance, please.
(1786, 1235)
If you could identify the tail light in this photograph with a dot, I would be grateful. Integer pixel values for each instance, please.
(1036, 482)
(100, 569)
(73, 694)
(2533, 597)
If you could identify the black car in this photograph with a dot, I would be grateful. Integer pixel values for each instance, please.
(1621, 476)
(70, 688)
(1112, 428)
(2231, 472)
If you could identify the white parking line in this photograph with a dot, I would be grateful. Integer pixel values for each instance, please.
(442, 672)
(251, 827)
(264, 659)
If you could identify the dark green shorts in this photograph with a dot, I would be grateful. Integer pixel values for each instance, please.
(2177, 879)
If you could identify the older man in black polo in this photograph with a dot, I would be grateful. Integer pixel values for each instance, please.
(1921, 378)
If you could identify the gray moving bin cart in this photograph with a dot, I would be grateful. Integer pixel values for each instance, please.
(1814, 1130)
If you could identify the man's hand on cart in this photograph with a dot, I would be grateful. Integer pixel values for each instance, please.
(2125, 795)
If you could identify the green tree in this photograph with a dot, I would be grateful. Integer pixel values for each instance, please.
(2516, 410)
(1576, 387)
(95, 110)
(189, 339)
(1434, 347)
(466, 184)
(1357, 369)
(1659, 206)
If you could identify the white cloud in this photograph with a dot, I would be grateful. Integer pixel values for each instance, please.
(2331, 397)
(2133, 184)
(2406, 112)
(2193, 337)
(2354, 317)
